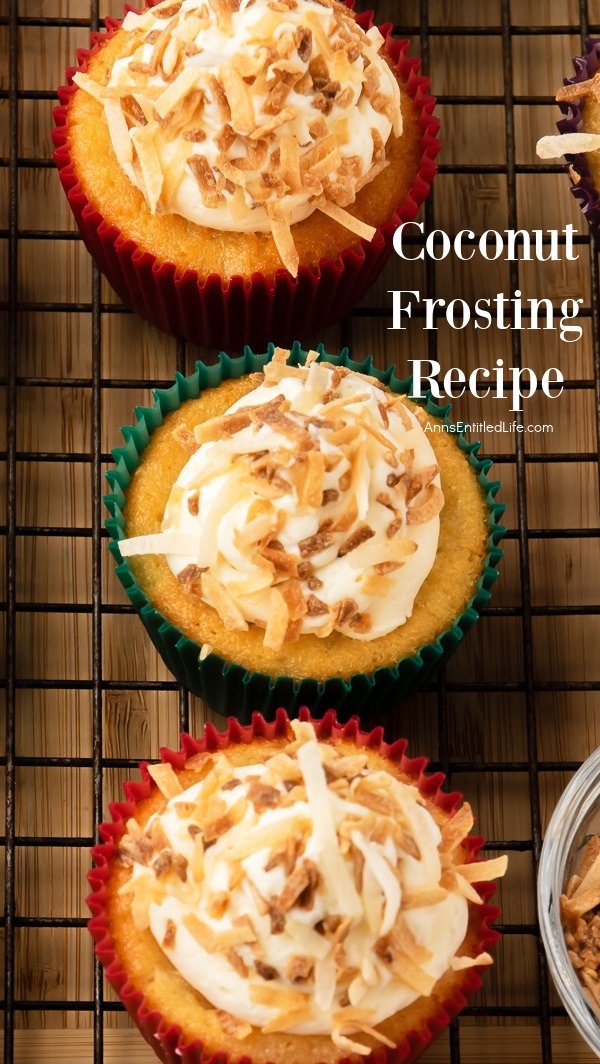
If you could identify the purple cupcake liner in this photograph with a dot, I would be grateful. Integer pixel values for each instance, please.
(584, 190)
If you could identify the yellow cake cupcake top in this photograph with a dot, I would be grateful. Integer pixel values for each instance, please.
(311, 505)
(306, 893)
(248, 115)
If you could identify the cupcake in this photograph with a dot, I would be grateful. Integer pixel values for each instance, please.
(291, 892)
(304, 531)
(238, 167)
(579, 137)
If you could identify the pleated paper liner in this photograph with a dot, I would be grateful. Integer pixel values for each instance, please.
(168, 1040)
(229, 314)
(584, 189)
(229, 687)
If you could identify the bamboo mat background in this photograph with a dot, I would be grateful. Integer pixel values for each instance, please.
(517, 708)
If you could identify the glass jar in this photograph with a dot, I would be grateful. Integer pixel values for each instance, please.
(575, 819)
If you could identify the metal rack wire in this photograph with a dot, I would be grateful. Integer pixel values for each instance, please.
(93, 534)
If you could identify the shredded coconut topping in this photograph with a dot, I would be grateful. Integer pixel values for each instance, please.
(311, 505)
(248, 115)
(553, 147)
(308, 893)
(580, 912)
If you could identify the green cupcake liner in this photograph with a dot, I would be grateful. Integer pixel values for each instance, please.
(230, 688)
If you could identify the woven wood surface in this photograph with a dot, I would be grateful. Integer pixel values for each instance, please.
(451, 725)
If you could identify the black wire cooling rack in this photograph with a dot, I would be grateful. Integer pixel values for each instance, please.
(17, 386)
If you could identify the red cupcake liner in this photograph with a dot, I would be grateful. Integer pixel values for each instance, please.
(166, 1039)
(230, 314)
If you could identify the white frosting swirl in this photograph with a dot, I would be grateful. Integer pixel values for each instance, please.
(233, 891)
(260, 41)
(352, 546)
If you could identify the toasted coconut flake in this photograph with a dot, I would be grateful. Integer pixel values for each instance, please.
(173, 175)
(201, 762)
(578, 90)
(286, 115)
(400, 959)
(134, 829)
(118, 131)
(575, 177)
(224, 821)
(460, 964)
(345, 520)
(338, 877)
(590, 876)
(266, 837)
(223, 10)
(237, 963)
(217, 941)
(290, 162)
(170, 55)
(348, 1045)
(572, 886)
(238, 98)
(186, 439)
(423, 898)
(419, 481)
(219, 598)
(300, 888)
(391, 551)
(554, 147)
(294, 598)
(465, 888)
(377, 586)
(386, 878)
(284, 242)
(143, 140)
(590, 853)
(217, 904)
(233, 1026)
(277, 622)
(167, 9)
(456, 828)
(482, 871)
(207, 182)
(343, 217)
(581, 903)
(343, 401)
(165, 779)
(175, 93)
(99, 92)
(311, 492)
